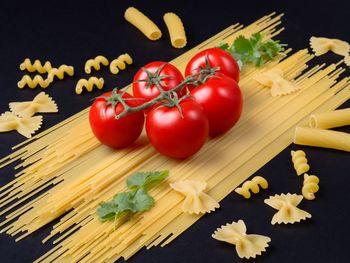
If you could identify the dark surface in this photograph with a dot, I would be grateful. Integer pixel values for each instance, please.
(70, 33)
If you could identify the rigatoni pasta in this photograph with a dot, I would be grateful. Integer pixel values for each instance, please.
(176, 30)
(143, 23)
(331, 119)
(322, 138)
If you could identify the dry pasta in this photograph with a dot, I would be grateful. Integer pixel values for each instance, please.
(60, 72)
(36, 66)
(247, 245)
(321, 45)
(196, 200)
(310, 186)
(89, 84)
(300, 162)
(176, 30)
(41, 103)
(347, 60)
(252, 185)
(288, 212)
(120, 63)
(33, 82)
(77, 173)
(276, 82)
(142, 23)
(95, 63)
(331, 119)
(322, 138)
(25, 126)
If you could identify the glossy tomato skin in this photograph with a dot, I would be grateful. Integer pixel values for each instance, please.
(174, 136)
(222, 101)
(140, 89)
(111, 132)
(217, 58)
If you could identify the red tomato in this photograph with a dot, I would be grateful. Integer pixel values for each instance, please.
(111, 132)
(174, 135)
(142, 90)
(222, 101)
(217, 58)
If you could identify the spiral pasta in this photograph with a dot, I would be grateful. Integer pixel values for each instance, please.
(300, 162)
(36, 66)
(60, 72)
(33, 83)
(120, 63)
(310, 186)
(88, 84)
(252, 185)
(95, 63)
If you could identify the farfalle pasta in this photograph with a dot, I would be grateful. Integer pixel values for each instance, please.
(89, 84)
(60, 72)
(196, 201)
(247, 245)
(120, 63)
(24, 125)
(300, 162)
(310, 186)
(288, 212)
(36, 66)
(95, 63)
(275, 80)
(321, 45)
(33, 82)
(41, 103)
(252, 185)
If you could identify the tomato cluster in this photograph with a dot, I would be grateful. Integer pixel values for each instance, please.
(180, 126)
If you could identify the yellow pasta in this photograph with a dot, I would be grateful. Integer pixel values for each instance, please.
(120, 63)
(25, 126)
(347, 60)
(247, 245)
(196, 200)
(252, 185)
(89, 84)
(276, 82)
(176, 30)
(41, 103)
(322, 138)
(33, 83)
(331, 119)
(36, 66)
(321, 45)
(60, 72)
(310, 186)
(300, 162)
(95, 63)
(143, 23)
(288, 212)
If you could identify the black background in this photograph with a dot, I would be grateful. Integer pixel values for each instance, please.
(70, 32)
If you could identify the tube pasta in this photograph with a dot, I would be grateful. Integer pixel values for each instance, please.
(322, 138)
(36, 66)
(331, 119)
(300, 162)
(33, 83)
(176, 30)
(247, 245)
(310, 186)
(120, 63)
(143, 23)
(60, 72)
(288, 212)
(252, 185)
(41, 103)
(347, 60)
(321, 45)
(25, 126)
(95, 63)
(89, 84)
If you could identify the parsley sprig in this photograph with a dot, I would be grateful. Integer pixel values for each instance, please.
(135, 200)
(253, 50)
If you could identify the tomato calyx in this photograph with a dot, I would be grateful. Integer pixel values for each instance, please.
(172, 100)
(206, 72)
(156, 78)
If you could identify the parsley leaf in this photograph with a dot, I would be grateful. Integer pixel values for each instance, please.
(107, 211)
(253, 50)
(145, 179)
(142, 200)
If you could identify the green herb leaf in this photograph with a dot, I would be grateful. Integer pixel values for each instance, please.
(145, 179)
(124, 202)
(242, 45)
(107, 211)
(142, 200)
